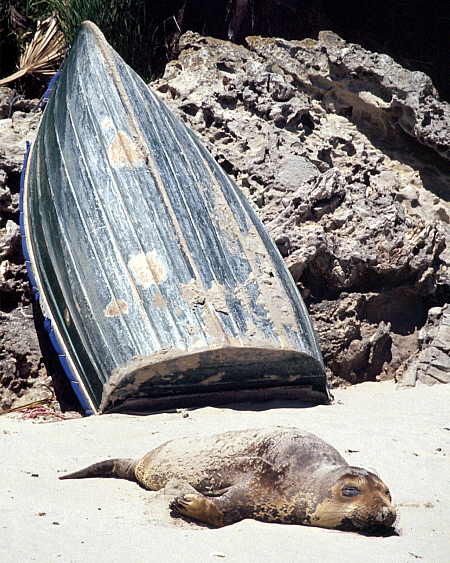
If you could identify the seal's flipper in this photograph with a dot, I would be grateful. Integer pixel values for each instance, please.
(116, 468)
(216, 511)
(198, 507)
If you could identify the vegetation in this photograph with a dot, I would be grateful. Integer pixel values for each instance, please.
(140, 30)
(122, 21)
(42, 54)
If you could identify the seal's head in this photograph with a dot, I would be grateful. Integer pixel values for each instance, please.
(355, 499)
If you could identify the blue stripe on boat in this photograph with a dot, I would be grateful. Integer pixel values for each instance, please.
(47, 322)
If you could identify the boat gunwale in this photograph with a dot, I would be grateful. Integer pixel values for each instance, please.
(41, 297)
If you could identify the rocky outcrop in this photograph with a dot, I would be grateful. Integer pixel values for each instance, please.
(21, 366)
(431, 364)
(342, 153)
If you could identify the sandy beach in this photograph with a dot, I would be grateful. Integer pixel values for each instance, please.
(401, 434)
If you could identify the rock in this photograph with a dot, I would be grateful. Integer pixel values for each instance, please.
(372, 84)
(14, 133)
(9, 240)
(9, 200)
(431, 364)
(6, 98)
(21, 367)
(10, 102)
(364, 231)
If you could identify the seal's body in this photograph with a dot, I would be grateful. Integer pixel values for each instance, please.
(273, 474)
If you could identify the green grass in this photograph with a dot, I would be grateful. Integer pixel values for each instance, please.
(119, 20)
(139, 30)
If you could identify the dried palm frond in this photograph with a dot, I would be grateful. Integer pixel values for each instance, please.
(42, 54)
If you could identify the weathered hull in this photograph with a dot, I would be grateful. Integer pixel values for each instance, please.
(156, 275)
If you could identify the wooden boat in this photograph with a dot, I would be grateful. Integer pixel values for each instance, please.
(159, 283)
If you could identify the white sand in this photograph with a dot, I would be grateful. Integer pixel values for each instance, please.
(403, 435)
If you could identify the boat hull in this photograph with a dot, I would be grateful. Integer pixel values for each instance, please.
(155, 274)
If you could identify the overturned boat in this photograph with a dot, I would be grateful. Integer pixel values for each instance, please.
(160, 286)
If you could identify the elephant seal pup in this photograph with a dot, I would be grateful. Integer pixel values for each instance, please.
(273, 474)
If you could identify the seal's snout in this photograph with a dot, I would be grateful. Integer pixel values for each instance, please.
(386, 516)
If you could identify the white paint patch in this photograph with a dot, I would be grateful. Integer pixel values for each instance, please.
(66, 315)
(123, 152)
(147, 269)
(106, 123)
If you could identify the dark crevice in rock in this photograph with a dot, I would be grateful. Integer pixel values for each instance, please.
(14, 181)
(402, 308)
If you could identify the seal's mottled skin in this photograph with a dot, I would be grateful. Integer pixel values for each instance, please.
(273, 474)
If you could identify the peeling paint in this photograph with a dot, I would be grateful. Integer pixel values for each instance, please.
(272, 295)
(147, 269)
(166, 363)
(213, 378)
(213, 326)
(191, 329)
(116, 308)
(106, 123)
(66, 315)
(179, 313)
(194, 293)
(216, 297)
(158, 301)
(183, 333)
(124, 153)
(214, 363)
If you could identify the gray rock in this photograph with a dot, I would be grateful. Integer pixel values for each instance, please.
(21, 367)
(6, 98)
(9, 240)
(14, 133)
(371, 83)
(364, 233)
(431, 364)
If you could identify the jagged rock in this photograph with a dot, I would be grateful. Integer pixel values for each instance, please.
(371, 83)
(10, 102)
(14, 133)
(9, 240)
(21, 367)
(355, 350)
(431, 364)
(6, 97)
(9, 201)
(314, 133)
(362, 238)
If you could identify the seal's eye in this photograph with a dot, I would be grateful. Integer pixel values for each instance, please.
(350, 491)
